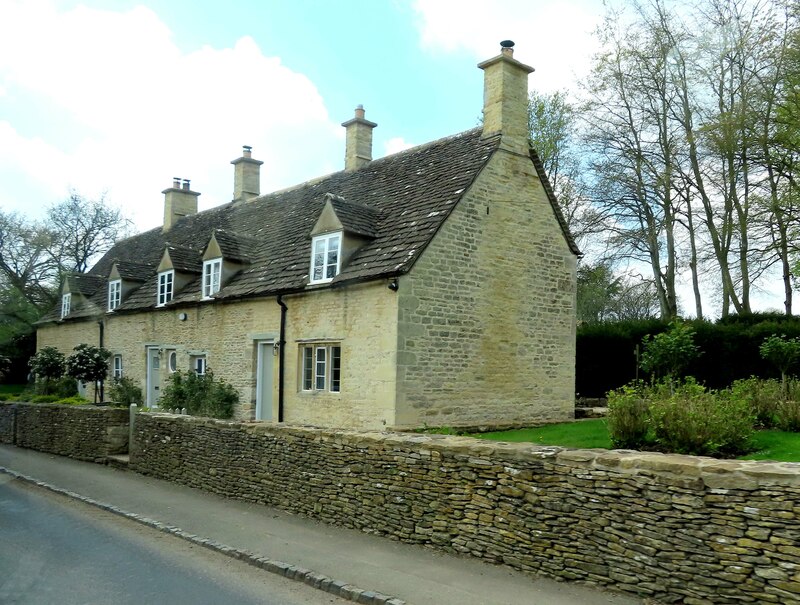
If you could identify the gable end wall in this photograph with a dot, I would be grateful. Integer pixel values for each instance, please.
(486, 331)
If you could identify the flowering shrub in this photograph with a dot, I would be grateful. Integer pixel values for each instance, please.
(88, 364)
(125, 392)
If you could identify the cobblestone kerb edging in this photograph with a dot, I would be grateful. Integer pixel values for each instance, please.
(673, 528)
(292, 572)
(84, 432)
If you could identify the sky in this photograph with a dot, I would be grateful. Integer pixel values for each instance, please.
(115, 98)
(119, 97)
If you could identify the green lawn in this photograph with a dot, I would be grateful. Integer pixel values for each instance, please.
(770, 445)
(12, 389)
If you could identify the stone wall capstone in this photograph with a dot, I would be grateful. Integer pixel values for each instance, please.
(84, 432)
(679, 529)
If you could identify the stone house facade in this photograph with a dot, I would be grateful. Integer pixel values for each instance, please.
(431, 287)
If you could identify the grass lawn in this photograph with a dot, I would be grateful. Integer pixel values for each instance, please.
(12, 389)
(770, 445)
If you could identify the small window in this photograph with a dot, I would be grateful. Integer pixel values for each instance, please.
(321, 368)
(212, 272)
(172, 361)
(114, 294)
(325, 257)
(199, 364)
(65, 304)
(117, 366)
(166, 280)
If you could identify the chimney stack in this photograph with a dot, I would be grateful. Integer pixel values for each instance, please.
(246, 176)
(358, 147)
(505, 99)
(179, 201)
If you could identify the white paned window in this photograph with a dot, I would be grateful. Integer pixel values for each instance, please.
(117, 366)
(199, 364)
(325, 257)
(321, 368)
(212, 273)
(166, 281)
(65, 304)
(114, 294)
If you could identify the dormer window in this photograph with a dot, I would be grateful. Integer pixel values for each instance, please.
(212, 274)
(114, 294)
(166, 283)
(325, 257)
(66, 299)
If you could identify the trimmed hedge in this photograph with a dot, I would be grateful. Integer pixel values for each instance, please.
(606, 357)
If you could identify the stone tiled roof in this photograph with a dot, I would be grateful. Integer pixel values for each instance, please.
(85, 283)
(136, 272)
(235, 247)
(355, 218)
(397, 202)
(185, 260)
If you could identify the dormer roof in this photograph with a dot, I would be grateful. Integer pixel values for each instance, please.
(131, 272)
(358, 219)
(182, 259)
(233, 247)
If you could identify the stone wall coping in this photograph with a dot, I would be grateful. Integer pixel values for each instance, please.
(712, 472)
(61, 406)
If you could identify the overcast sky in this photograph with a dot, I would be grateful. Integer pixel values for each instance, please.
(121, 96)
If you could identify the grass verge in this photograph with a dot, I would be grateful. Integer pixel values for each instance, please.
(769, 445)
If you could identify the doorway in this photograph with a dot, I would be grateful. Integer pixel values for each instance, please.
(264, 367)
(153, 377)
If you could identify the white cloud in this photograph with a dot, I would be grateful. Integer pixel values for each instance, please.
(395, 145)
(147, 112)
(553, 36)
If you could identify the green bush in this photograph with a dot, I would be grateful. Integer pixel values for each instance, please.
(44, 398)
(76, 400)
(47, 365)
(762, 396)
(124, 392)
(667, 354)
(695, 421)
(200, 394)
(628, 417)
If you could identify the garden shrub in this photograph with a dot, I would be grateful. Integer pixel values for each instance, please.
(88, 363)
(124, 392)
(667, 354)
(762, 396)
(47, 365)
(76, 400)
(200, 394)
(628, 418)
(44, 398)
(693, 420)
(788, 410)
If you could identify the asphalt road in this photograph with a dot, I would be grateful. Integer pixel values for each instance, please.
(56, 550)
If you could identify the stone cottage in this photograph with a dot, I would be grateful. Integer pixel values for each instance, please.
(431, 287)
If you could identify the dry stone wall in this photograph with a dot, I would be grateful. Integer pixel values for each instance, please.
(84, 432)
(678, 529)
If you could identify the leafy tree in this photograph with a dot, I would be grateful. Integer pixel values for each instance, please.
(783, 353)
(47, 365)
(88, 364)
(669, 353)
(604, 296)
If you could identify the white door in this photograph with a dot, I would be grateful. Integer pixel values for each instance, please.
(153, 377)
(264, 381)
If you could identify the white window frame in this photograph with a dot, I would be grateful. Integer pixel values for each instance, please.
(199, 364)
(212, 269)
(321, 367)
(166, 287)
(321, 249)
(172, 362)
(66, 301)
(116, 367)
(114, 294)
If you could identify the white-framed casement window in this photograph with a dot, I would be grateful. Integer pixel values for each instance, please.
(321, 367)
(114, 294)
(212, 274)
(66, 300)
(325, 257)
(166, 281)
(117, 366)
(199, 364)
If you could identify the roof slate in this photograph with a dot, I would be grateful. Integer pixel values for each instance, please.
(398, 202)
(137, 272)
